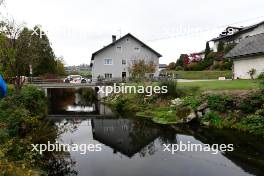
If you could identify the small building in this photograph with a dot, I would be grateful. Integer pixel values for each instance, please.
(115, 60)
(233, 35)
(248, 55)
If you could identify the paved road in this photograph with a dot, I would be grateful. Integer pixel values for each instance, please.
(199, 80)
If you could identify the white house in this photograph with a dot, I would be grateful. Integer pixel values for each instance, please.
(248, 54)
(233, 35)
(115, 60)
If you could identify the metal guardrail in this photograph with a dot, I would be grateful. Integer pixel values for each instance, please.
(97, 81)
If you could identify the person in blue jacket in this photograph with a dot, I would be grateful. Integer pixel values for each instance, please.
(3, 87)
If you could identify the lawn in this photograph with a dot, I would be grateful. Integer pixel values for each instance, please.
(201, 74)
(222, 85)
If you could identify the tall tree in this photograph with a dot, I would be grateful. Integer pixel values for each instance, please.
(179, 62)
(207, 49)
(21, 47)
(220, 47)
(9, 32)
(43, 57)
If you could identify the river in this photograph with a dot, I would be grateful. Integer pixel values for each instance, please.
(135, 147)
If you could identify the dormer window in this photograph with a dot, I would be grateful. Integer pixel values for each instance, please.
(119, 49)
(137, 49)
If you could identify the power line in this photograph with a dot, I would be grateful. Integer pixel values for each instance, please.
(204, 30)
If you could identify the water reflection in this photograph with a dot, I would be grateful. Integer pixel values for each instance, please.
(63, 101)
(134, 147)
(123, 135)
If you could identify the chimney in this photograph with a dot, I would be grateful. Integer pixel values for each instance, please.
(113, 38)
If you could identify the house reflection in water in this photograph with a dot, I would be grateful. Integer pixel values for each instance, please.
(124, 135)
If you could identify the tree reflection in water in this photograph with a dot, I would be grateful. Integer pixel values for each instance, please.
(60, 164)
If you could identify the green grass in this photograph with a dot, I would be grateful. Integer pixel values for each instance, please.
(201, 74)
(222, 85)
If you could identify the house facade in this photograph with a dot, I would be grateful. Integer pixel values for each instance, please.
(248, 54)
(116, 59)
(233, 35)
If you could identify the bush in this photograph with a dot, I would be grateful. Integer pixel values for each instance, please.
(33, 100)
(191, 101)
(219, 103)
(254, 124)
(17, 108)
(171, 87)
(252, 103)
(179, 68)
(213, 118)
(261, 82)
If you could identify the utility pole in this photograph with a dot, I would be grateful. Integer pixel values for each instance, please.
(30, 72)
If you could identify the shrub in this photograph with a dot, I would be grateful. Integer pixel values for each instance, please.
(171, 87)
(171, 66)
(252, 103)
(213, 118)
(33, 100)
(254, 124)
(178, 68)
(219, 103)
(191, 101)
(261, 82)
(252, 72)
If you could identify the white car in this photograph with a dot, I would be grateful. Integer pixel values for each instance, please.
(75, 79)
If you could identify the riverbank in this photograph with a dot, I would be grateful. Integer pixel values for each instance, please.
(241, 109)
(22, 123)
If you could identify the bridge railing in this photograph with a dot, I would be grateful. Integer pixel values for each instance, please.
(37, 80)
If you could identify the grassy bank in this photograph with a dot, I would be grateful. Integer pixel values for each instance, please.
(201, 74)
(222, 85)
(242, 110)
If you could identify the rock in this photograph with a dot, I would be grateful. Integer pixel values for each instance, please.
(199, 114)
(206, 123)
(190, 117)
(207, 110)
(202, 107)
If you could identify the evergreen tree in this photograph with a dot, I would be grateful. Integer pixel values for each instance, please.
(179, 62)
(220, 47)
(207, 49)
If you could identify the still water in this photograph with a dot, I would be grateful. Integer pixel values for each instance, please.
(134, 147)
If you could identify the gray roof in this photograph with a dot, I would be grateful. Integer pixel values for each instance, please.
(127, 35)
(162, 66)
(241, 31)
(249, 46)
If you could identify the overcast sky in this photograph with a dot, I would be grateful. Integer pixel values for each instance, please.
(77, 28)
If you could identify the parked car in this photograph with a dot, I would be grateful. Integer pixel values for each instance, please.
(75, 79)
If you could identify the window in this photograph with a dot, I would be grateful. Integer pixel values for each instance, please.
(133, 61)
(108, 75)
(108, 62)
(123, 61)
(119, 49)
(137, 49)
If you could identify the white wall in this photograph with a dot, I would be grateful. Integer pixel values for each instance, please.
(242, 66)
(128, 52)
